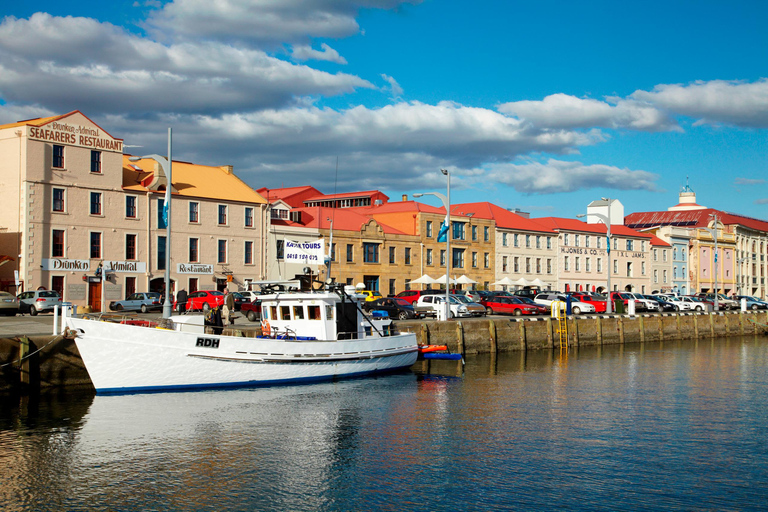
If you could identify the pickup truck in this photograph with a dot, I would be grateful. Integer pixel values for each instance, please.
(428, 305)
(251, 310)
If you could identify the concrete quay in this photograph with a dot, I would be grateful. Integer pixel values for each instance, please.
(31, 361)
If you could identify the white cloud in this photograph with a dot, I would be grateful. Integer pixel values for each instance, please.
(556, 176)
(394, 88)
(733, 102)
(748, 181)
(263, 24)
(306, 52)
(564, 111)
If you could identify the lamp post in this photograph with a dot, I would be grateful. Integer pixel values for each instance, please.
(447, 227)
(713, 232)
(166, 165)
(607, 221)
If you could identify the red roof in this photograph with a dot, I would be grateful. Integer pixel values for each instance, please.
(566, 224)
(504, 218)
(691, 219)
(344, 219)
(659, 242)
(292, 196)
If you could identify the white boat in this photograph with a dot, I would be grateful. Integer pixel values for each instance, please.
(314, 336)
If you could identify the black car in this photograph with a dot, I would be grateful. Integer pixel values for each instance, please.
(395, 308)
(663, 304)
(240, 299)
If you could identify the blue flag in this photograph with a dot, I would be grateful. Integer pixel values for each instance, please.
(165, 213)
(442, 235)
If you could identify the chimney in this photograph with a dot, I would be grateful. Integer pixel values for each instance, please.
(405, 197)
(229, 169)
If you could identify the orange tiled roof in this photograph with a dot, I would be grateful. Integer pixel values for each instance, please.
(566, 224)
(503, 217)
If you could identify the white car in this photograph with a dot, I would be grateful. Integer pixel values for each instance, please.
(643, 303)
(577, 307)
(679, 303)
(436, 302)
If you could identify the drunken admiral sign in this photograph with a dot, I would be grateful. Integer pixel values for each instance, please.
(309, 253)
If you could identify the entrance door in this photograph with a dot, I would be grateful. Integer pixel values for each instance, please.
(94, 296)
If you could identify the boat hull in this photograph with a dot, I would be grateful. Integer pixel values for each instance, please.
(127, 359)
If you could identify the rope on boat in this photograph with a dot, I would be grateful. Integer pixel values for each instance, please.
(67, 335)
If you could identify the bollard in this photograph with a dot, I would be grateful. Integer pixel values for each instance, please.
(56, 319)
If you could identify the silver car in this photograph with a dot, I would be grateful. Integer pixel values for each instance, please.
(38, 301)
(473, 307)
(9, 304)
(140, 301)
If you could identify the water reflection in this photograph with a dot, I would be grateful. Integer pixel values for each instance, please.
(655, 426)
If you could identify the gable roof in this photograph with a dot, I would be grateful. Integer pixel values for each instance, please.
(566, 224)
(692, 219)
(343, 219)
(503, 217)
(42, 121)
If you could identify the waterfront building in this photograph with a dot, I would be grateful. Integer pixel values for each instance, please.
(525, 251)
(662, 266)
(83, 220)
(742, 245)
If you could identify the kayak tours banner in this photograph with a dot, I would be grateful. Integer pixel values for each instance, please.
(310, 252)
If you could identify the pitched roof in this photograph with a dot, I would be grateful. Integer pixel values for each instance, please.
(656, 241)
(692, 219)
(191, 180)
(504, 218)
(566, 224)
(293, 196)
(41, 121)
(344, 219)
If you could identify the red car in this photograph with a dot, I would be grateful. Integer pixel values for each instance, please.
(504, 304)
(204, 300)
(600, 303)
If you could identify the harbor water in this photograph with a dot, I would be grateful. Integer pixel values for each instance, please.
(655, 426)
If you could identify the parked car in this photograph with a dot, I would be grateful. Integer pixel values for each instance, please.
(499, 304)
(680, 303)
(249, 295)
(395, 307)
(38, 301)
(252, 310)
(240, 299)
(203, 300)
(432, 303)
(723, 302)
(9, 304)
(697, 304)
(643, 304)
(370, 294)
(473, 295)
(752, 302)
(577, 307)
(625, 297)
(474, 308)
(139, 301)
(410, 296)
(531, 293)
(664, 304)
(599, 301)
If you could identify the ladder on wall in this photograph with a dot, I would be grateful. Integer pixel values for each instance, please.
(558, 314)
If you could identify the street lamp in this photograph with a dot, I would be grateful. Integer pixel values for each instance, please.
(713, 232)
(607, 221)
(166, 165)
(445, 230)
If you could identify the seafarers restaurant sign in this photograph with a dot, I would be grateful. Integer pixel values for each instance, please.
(76, 135)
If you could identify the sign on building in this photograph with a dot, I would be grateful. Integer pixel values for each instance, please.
(310, 252)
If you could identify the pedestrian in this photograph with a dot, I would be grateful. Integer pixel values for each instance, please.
(181, 301)
(229, 300)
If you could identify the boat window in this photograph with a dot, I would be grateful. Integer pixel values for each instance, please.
(285, 312)
(314, 312)
(273, 313)
(329, 312)
(265, 312)
(298, 312)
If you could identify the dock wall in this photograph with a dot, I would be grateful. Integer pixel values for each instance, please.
(40, 362)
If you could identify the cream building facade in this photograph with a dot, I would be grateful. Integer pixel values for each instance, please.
(81, 219)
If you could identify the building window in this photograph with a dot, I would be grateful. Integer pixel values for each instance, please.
(615, 266)
(474, 260)
(664, 274)
(504, 264)
(407, 255)
(538, 242)
(549, 242)
(576, 240)
(664, 255)
(527, 265)
(458, 258)
(194, 212)
(516, 240)
(392, 286)
(248, 217)
(655, 276)
(95, 203)
(392, 254)
(538, 265)
(587, 266)
(458, 230)
(161, 243)
(549, 266)
(194, 250)
(58, 157)
(130, 207)
(95, 245)
(429, 256)
(586, 240)
(280, 249)
(222, 251)
(577, 264)
(504, 239)
(58, 200)
(486, 233)
(487, 260)
(442, 257)
(474, 233)
(248, 260)
(96, 161)
(642, 268)
(130, 247)
(350, 253)
(57, 243)
(629, 269)
(599, 263)
(429, 229)
(193, 284)
(565, 239)
(222, 214)
(516, 265)
(528, 241)
(630, 245)
(599, 243)
(370, 252)
(566, 264)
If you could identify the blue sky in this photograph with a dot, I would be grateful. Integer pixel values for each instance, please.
(543, 106)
